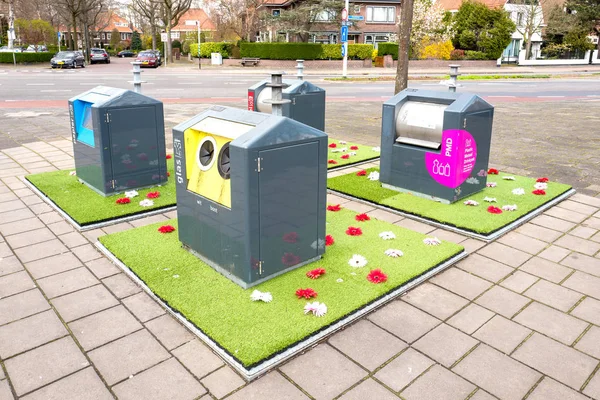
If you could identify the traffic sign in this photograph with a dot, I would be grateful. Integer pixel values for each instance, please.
(163, 36)
(356, 18)
(344, 14)
(344, 35)
(343, 50)
(58, 34)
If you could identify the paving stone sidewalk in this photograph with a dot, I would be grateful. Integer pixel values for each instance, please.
(518, 319)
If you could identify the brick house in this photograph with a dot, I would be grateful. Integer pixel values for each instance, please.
(187, 23)
(103, 31)
(375, 22)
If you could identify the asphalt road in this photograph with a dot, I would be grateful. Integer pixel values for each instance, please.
(45, 84)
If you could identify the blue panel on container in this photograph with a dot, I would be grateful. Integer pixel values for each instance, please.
(83, 123)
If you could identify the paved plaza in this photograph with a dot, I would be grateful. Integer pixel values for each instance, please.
(517, 319)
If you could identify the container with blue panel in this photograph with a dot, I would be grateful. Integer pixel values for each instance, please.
(118, 140)
(251, 192)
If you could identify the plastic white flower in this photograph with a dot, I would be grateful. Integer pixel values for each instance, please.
(146, 203)
(491, 184)
(131, 194)
(432, 241)
(473, 181)
(318, 244)
(73, 173)
(518, 191)
(175, 276)
(357, 261)
(343, 142)
(336, 150)
(257, 295)
(377, 149)
(318, 309)
(339, 280)
(393, 253)
(352, 153)
(352, 273)
(510, 207)
(374, 176)
(471, 203)
(508, 178)
(490, 199)
(344, 149)
(388, 235)
(541, 186)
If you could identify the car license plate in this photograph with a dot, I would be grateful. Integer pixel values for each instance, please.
(60, 62)
(145, 62)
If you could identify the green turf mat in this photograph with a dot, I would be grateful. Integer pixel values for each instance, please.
(470, 218)
(87, 207)
(363, 153)
(252, 332)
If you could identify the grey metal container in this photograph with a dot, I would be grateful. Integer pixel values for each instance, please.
(435, 144)
(118, 140)
(307, 101)
(251, 192)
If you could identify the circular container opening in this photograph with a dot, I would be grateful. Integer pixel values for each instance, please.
(205, 155)
(224, 164)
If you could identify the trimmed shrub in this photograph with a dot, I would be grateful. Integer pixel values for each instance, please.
(305, 51)
(437, 51)
(212, 47)
(359, 51)
(384, 49)
(7, 58)
(475, 55)
(457, 54)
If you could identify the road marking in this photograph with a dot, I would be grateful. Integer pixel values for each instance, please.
(91, 83)
(511, 97)
(55, 90)
(190, 83)
(40, 84)
(549, 97)
(225, 97)
(593, 95)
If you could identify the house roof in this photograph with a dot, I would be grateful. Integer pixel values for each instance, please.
(285, 3)
(187, 22)
(108, 23)
(453, 5)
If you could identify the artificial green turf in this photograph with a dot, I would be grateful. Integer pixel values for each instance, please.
(254, 331)
(364, 153)
(86, 207)
(475, 219)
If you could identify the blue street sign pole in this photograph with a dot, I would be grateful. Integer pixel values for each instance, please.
(58, 34)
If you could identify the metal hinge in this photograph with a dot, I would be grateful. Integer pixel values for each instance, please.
(260, 267)
(259, 168)
(113, 183)
(107, 119)
(293, 100)
(465, 123)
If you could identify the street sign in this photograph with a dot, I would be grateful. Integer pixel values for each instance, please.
(356, 18)
(58, 34)
(344, 14)
(344, 35)
(163, 36)
(344, 50)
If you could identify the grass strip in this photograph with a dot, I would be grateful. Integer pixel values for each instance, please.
(362, 153)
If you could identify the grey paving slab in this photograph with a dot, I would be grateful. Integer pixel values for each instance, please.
(404, 369)
(502, 301)
(581, 262)
(197, 358)
(472, 245)
(127, 356)
(589, 310)
(331, 373)
(554, 253)
(539, 232)
(53, 265)
(414, 225)
(103, 327)
(367, 344)
(584, 232)
(556, 360)
(121, 286)
(485, 267)
(29, 238)
(67, 282)
(504, 254)
(81, 385)
(170, 332)
(30, 332)
(222, 382)
(270, 386)
(383, 215)
(553, 295)
(368, 389)
(461, 283)
(84, 302)
(143, 307)
(403, 320)
(550, 222)
(546, 269)
(574, 243)
(523, 242)
(19, 225)
(438, 383)
(165, 381)
(470, 318)
(86, 253)
(492, 370)
(578, 207)
(502, 334)
(5, 392)
(584, 283)
(40, 250)
(482, 395)
(435, 300)
(590, 342)
(15, 283)
(445, 344)
(73, 239)
(102, 268)
(551, 322)
(10, 264)
(519, 281)
(61, 227)
(549, 389)
(567, 215)
(44, 364)
(22, 305)
(593, 387)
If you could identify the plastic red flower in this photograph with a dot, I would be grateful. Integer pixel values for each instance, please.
(290, 259)
(336, 207)
(332, 146)
(345, 156)
(331, 162)
(539, 192)
(353, 231)
(542, 180)
(169, 156)
(315, 273)
(307, 293)
(123, 200)
(353, 147)
(153, 195)
(361, 173)
(494, 210)
(166, 229)
(168, 174)
(377, 276)
(291, 237)
(329, 240)
(362, 217)
(492, 171)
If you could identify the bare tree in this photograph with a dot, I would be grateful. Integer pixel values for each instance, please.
(71, 10)
(170, 13)
(404, 29)
(148, 11)
(529, 21)
(93, 13)
(11, 20)
(239, 16)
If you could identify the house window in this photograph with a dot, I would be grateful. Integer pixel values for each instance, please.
(276, 13)
(325, 16)
(381, 14)
(108, 36)
(375, 39)
(519, 19)
(123, 36)
(104, 36)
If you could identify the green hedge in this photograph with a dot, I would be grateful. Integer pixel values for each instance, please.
(304, 51)
(212, 47)
(7, 58)
(384, 49)
(476, 55)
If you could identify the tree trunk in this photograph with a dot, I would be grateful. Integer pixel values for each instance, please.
(11, 22)
(528, 48)
(169, 22)
(153, 30)
(404, 28)
(87, 43)
(74, 35)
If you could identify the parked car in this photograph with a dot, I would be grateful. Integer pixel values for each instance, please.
(36, 48)
(5, 49)
(158, 55)
(99, 55)
(148, 58)
(126, 53)
(68, 59)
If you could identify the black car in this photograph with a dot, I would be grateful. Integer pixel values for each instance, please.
(68, 59)
(126, 53)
